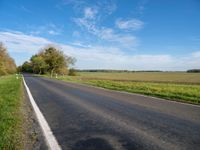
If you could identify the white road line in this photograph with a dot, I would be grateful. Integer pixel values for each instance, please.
(48, 134)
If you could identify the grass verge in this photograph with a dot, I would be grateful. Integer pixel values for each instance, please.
(11, 117)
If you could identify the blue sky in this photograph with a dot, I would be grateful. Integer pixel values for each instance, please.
(106, 34)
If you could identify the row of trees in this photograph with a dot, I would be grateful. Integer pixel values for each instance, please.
(111, 70)
(7, 64)
(49, 60)
(193, 71)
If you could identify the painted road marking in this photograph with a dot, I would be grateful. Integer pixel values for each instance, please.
(48, 134)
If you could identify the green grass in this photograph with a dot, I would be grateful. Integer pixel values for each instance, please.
(10, 113)
(176, 86)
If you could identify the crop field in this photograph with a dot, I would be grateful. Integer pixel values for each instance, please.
(10, 115)
(172, 77)
(176, 86)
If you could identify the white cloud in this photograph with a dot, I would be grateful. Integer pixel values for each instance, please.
(111, 7)
(141, 6)
(107, 6)
(124, 39)
(76, 34)
(98, 57)
(89, 22)
(79, 44)
(89, 13)
(196, 54)
(49, 28)
(52, 32)
(20, 42)
(132, 24)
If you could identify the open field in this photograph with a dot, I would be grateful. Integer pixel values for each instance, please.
(10, 114)
(174, 77)
(174, 86)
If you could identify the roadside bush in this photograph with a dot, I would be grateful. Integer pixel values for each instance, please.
(72, 72)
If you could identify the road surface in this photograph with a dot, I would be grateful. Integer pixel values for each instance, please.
(83, 117)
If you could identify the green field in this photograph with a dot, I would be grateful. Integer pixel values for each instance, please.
(176, 86)
(172, 77)
(10, 113)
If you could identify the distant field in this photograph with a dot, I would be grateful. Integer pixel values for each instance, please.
(10, 115)
(168, 85)
(174, 77)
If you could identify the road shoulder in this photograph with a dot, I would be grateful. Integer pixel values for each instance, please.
(33, 136)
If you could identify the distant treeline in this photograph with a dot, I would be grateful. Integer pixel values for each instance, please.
(110, 70)
(118, 71)
(193, 71)
(50, 60)
(7, 64)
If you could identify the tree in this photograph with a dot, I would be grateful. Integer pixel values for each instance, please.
(7, 64)
(55, 59)
(72, 72)
(193, 71)
(50, 59)
(38, 63)
(27, 67)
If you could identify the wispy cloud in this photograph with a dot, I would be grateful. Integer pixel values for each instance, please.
(49, 28)
(125, 40)
(76, 4)
(79, 44)
(131, 24)
(76, 34)
(25, 9)
(89, 22)
(108, 6)
(100, 57)
(20, 42)
(90, 13)
(196, 54)
(141, 6)
(53, 32)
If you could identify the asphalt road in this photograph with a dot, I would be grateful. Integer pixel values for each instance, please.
(87, 118)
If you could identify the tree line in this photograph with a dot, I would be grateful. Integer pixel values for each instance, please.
(193, 71)
(50, 60)
(116, 71)
(7, 64)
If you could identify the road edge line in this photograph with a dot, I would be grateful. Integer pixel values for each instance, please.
(48, 134)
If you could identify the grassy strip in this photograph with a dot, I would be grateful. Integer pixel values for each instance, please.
(10, 113)
(172, 91)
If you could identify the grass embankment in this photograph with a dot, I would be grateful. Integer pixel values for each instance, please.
(173, 86)
(10, 113)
